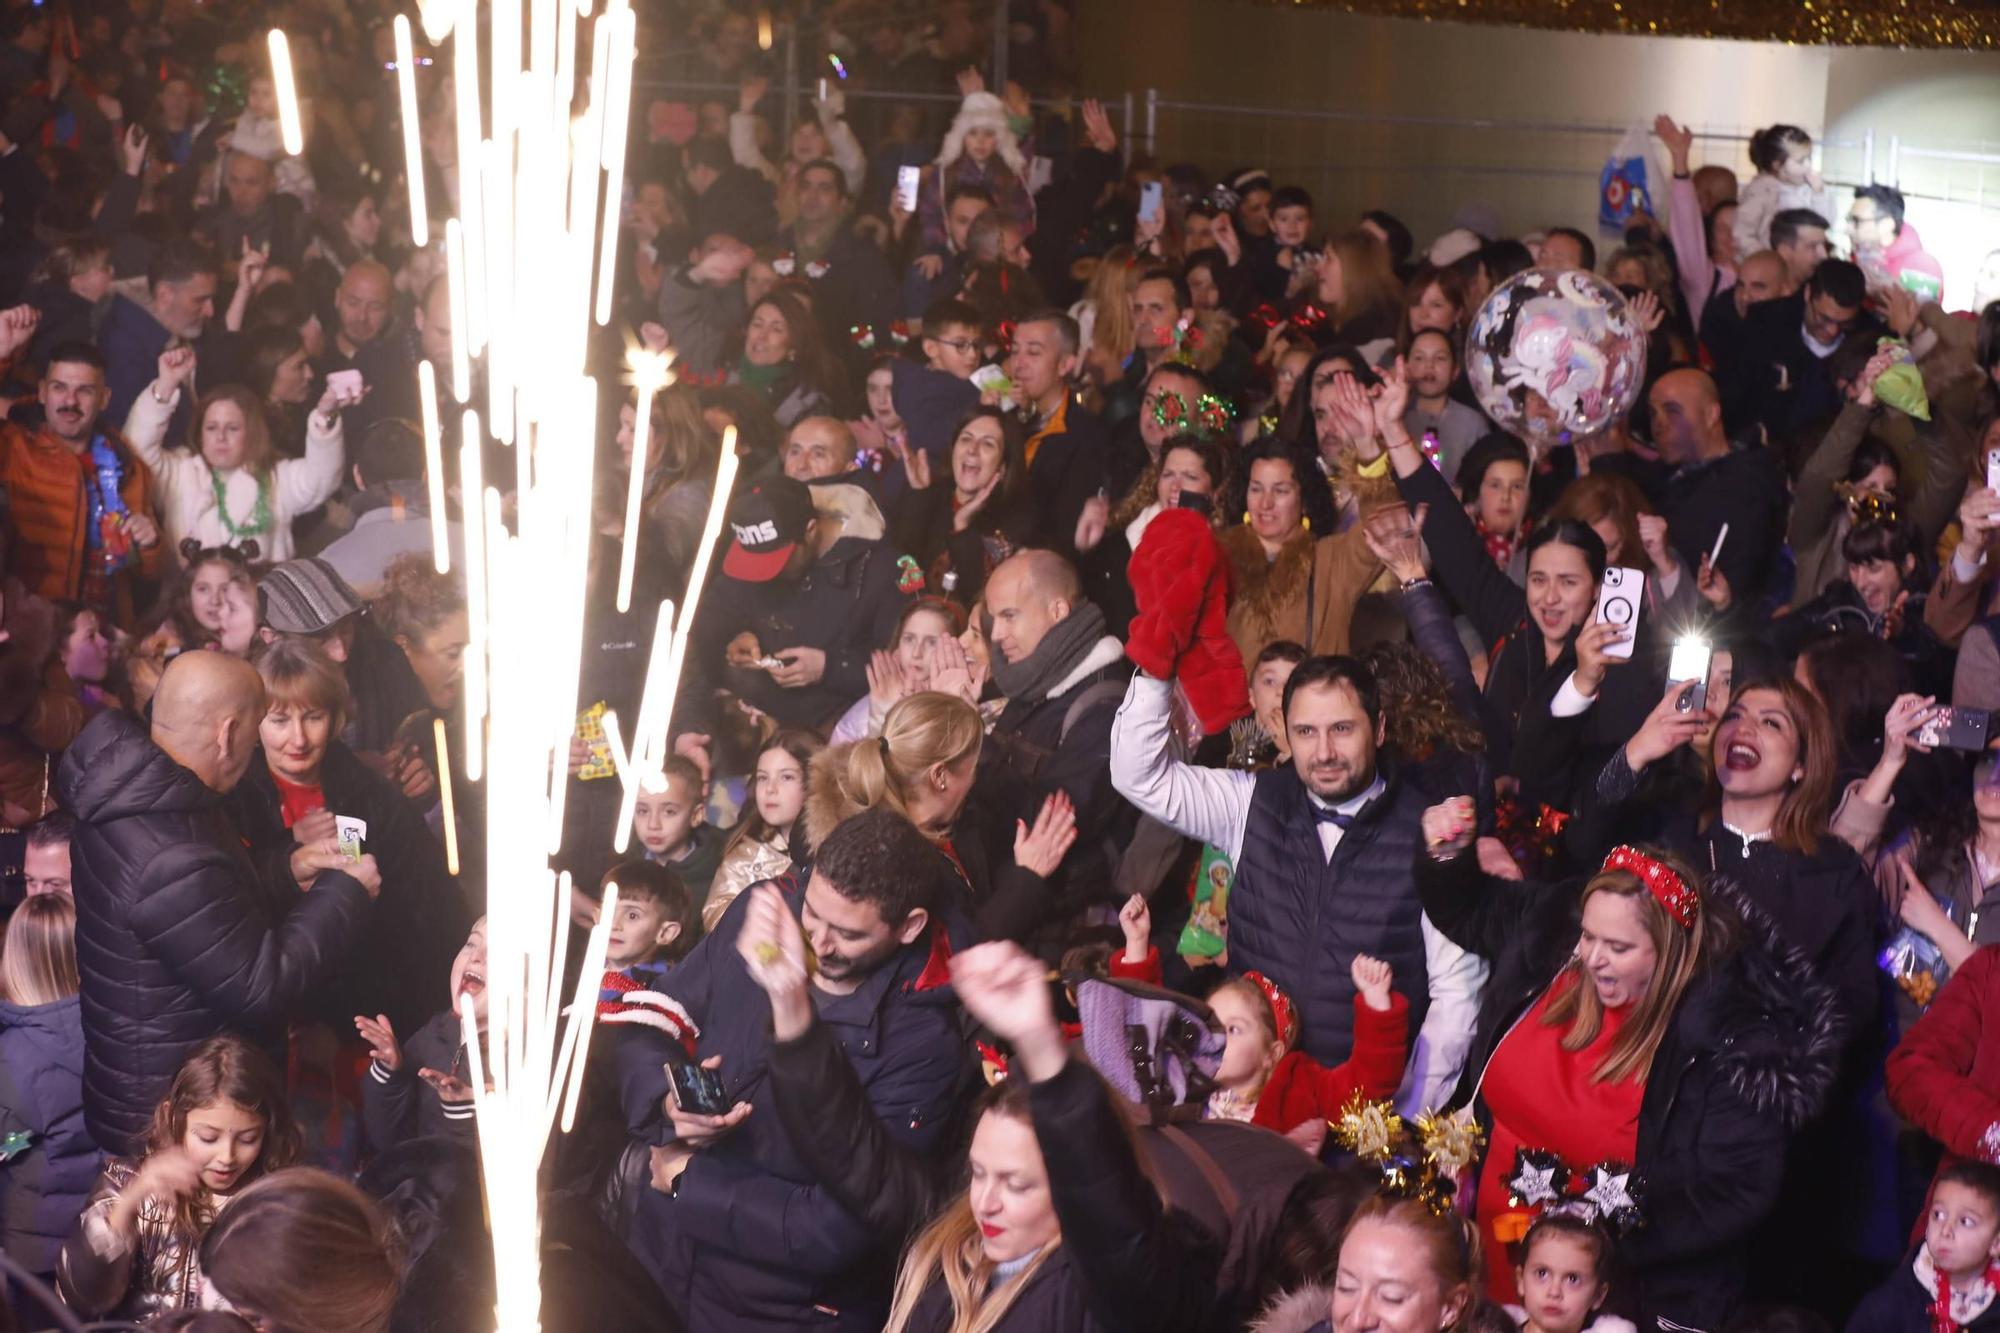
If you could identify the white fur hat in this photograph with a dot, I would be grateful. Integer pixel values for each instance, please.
(982, 111)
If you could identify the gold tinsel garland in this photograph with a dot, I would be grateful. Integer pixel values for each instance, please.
(1964, 24)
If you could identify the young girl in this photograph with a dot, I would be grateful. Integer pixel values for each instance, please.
(259, 134)
(223, 1124)
(44, 1185)
(213, 605)
(1785, 179)
(227, 486)
(83, 652)
(1564, 1276)
(1262, 1079)
(765, 843)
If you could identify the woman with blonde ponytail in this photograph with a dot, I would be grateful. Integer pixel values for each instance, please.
(922, 767)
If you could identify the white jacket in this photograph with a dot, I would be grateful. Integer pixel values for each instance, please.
(186, 487)
(1763, 199)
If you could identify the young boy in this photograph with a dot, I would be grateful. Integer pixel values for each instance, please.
(394, 1107)
(1953, 1280)
(672, 826)
(1291, 230)
(654, 927)
(932, 397)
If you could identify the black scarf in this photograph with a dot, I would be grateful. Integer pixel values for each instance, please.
(1066, 644)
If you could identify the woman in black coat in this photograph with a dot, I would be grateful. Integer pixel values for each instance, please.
(1744, 1055)
(958, 527)
(297, 784)
(1087, 1245)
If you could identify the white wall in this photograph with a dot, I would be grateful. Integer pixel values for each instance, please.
(1233, 53)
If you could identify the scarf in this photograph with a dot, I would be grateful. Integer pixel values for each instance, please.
(767, 380)
(1499, 545)
(1952, 1309)
(1067, 643)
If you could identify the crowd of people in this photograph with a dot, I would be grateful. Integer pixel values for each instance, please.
(1176, 821)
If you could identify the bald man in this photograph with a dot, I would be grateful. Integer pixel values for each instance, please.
(1702, 482)
(251, 210)
(177, 939)
(370, 336)
(1063, 674)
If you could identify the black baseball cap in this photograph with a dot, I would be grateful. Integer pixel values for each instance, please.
(767, 523)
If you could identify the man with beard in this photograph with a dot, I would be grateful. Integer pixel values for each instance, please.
(733, 1226)
(1323, 851)
(82, 502)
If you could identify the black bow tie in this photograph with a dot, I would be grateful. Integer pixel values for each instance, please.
(1326, 814)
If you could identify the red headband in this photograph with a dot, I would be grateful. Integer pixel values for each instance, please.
(1283, 1016)
(1660, 879)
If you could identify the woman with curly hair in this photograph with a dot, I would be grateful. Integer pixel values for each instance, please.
(1296, 577)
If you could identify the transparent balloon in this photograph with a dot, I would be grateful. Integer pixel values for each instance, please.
(1554, 354)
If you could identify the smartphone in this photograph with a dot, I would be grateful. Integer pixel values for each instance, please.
(1993, 469)
(1619, 596)
(1152, 199)
(1689, 663)
(1200, 502)
(906, 187)
(822, 90)
(696, 1090)
(1956, 729)
(346, 384)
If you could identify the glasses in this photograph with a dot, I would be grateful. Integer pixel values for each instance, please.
(957, 344)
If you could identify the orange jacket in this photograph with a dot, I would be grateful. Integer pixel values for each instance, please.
(47, 484)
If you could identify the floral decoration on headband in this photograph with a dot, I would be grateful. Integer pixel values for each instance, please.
(1284, 1016)
(1661, 880)
(1208, 416)
(1446, 1145)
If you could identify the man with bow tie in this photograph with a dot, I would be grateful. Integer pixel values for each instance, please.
(1322, 852)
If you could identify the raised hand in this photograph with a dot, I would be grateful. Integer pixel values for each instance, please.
(1678, 140)
(917, 467)
(970, 81)
(969, 511)
(750, 92)
(953, 671)
(17, 328)
(1713, 586)
(1899, 726)
(1653, 538)
(773, 950)
(1646, 311)
(653, 337)
(1015, 98)
(1006, 989)
(251, 265)
(1593, 654)
(383, 1047)
(177, 366)
(1097, 129)
(1091, 523)
(1039, 850)
(449, 1087)
(1372, 978)
(1864, 383)
(132, 149)
(888, 683)
(1449, 827)
(1393, 539)
(1665, 729)
(1135, 918)
(1900, 308)
(1390, 400)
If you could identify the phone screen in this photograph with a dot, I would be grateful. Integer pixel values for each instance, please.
(1689, 661)
(1151, 198)
(906, 187)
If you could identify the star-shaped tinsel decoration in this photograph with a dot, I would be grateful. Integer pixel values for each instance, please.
(1539, 1177)
(1614, 1190)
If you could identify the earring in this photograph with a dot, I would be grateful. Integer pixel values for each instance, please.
(1246, 516)
(1305, 521)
